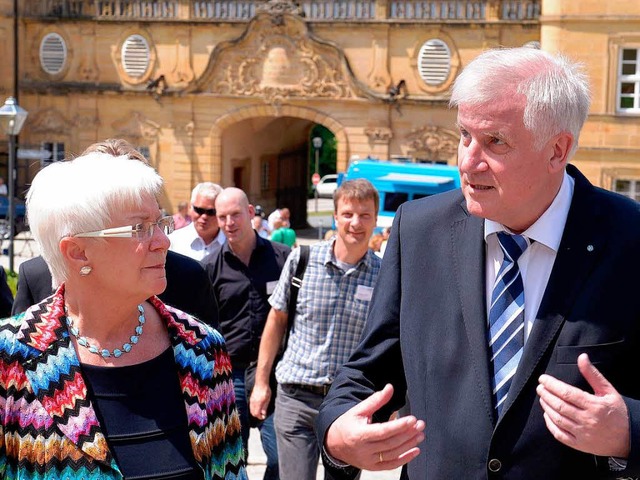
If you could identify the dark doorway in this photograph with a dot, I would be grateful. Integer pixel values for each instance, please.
(291, 189)
(237, 177)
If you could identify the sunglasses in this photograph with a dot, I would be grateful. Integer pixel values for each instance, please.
(140, 231)
(201, 211)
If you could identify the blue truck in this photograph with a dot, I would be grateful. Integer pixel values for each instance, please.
(398, 182)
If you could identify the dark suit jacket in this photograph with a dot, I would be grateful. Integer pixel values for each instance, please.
(6, 297)
(428, 320)
(188, 287)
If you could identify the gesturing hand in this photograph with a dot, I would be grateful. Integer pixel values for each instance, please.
(353, 439)
(595, 423)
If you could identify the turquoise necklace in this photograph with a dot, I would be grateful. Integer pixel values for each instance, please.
(105, 353)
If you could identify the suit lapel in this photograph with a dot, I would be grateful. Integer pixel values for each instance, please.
(582, 244)
(468, 253)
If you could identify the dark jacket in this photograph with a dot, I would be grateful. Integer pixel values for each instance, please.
(242, 294)
(6, 297)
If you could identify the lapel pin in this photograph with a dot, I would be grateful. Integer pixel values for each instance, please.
(589, 248)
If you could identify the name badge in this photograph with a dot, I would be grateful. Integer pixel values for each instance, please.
(364, 293)
(271, 286)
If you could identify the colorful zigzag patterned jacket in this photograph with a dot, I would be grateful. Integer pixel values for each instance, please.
(48, 426)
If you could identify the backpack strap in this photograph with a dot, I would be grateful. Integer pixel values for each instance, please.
(296, 283)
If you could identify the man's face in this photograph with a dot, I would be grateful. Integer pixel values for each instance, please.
(206, 225)
(234, 218)
(285, 216)
(504, 177)
(355, 221)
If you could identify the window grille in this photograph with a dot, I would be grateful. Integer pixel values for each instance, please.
(135, 56)
(53, 53)
(434, 62)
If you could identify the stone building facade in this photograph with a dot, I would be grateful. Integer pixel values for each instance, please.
(228, 91)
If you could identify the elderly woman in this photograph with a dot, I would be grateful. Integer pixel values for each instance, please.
(102, 380)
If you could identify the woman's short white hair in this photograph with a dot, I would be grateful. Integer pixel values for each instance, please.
(556, 89)
(82, 195)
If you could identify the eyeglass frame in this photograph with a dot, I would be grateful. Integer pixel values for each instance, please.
(211, 212)
(131, 231)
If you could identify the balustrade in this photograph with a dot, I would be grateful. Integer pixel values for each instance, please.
(314, 10)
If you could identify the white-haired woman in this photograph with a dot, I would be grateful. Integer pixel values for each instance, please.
(102, 380)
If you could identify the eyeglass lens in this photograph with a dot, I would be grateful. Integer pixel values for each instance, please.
(201, 211)
(145, 230)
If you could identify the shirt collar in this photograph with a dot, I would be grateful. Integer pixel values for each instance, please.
(548, 229)
(329, 257)
(260, 244)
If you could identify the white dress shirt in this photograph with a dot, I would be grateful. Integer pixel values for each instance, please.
(187, 242)
(537, 261)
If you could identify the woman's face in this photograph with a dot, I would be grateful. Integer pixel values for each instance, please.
(131, 267)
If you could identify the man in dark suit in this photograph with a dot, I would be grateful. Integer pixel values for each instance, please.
(188, 287)
(6, 297)
(503, 311)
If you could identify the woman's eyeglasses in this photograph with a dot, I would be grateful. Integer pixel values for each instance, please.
(140, 231)
(201, 211)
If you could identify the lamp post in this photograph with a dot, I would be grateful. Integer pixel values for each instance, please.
(317, 145)
(12, 118)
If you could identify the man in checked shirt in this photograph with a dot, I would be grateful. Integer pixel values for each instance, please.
(330, 314)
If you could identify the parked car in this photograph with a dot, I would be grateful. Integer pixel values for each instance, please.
(19, 215)
(327, 185)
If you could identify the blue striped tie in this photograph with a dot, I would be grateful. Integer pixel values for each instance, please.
(506, 317)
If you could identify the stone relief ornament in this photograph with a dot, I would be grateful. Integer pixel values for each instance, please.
(136, 125)
(379, 135)
(278, 7)
(433, 143)
(277, 61)
(51, 121)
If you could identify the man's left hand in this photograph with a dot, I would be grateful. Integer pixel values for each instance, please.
(595, 423)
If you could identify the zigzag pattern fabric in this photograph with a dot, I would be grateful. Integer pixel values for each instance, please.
(506, 317)
(48, 425)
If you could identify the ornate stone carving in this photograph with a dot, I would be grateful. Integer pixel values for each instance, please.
(50, 121)
(88, 69)
(86, 120)
(182, 72)
(379, 135)
(379, 76)
(137, 126)
(433, 143)
(277, 61)
(278, 7)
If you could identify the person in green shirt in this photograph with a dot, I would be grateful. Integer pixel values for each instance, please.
(283, 234)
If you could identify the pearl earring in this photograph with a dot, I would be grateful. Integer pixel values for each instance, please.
(86, 270)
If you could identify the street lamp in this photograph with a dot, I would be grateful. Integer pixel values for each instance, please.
(317, 145)
(12, 118)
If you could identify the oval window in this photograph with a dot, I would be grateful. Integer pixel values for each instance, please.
(135, 56)
(434, 62)
(53, 53)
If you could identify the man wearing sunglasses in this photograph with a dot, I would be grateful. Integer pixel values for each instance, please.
(203, 236)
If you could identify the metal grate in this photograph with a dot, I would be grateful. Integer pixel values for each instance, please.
(135, 56)
(53, 53)
(434, 62)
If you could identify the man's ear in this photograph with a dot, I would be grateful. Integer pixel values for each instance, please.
(560, 147)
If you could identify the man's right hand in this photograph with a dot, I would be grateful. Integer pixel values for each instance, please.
(259, 401)
(353, 439)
